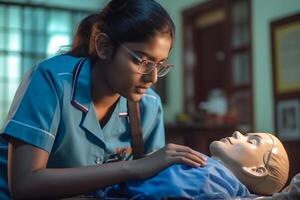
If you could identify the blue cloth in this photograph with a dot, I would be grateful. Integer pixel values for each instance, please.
(213, 181)
(53, 110)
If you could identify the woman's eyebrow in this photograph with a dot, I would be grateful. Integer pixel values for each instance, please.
(148, 56)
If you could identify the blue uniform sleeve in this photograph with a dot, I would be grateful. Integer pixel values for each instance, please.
(35, 112)
(156, 137)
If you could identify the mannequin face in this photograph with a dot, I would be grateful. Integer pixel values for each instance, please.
(243, 150)
(258, 160)
(247, 156)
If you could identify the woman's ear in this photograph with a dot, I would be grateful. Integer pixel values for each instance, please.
(255, 172)
(103, 46)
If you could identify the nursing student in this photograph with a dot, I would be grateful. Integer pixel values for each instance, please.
(67, 118)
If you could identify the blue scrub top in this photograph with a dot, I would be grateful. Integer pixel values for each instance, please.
(214, 181)
(53, 110)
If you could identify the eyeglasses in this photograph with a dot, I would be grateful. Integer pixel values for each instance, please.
(147, 66)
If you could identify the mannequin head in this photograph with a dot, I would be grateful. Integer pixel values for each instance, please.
(258, 160)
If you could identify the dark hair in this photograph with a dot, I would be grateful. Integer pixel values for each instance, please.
(123, 21)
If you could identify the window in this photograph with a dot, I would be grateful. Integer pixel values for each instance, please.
(29, 34)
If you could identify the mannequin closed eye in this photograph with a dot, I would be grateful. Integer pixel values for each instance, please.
(254, 139)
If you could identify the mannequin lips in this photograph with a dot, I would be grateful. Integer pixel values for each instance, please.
(227, 139)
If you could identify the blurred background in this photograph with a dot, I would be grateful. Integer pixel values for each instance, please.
(237, 64)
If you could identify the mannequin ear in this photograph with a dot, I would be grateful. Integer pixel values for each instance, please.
(255, 172)
(103, 46)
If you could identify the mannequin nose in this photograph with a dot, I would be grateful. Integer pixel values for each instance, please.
(237, 135)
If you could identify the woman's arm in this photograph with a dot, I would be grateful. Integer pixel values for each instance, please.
(29, 178)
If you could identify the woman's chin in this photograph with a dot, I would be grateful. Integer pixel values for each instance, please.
(135, 97)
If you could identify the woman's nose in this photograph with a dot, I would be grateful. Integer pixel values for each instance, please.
(151, 77)
(237, 135)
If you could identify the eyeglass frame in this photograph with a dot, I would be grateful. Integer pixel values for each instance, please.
(167, 66)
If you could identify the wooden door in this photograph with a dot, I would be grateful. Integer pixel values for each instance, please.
(211, 69)
(217, 55)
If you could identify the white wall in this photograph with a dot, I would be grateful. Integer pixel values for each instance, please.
(263, 12)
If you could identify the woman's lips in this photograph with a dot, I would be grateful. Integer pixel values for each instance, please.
(141, 90)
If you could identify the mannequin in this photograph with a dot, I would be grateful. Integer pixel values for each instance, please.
(267, 170)
(240, 166)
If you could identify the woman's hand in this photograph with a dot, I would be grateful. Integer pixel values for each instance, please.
(166, 156)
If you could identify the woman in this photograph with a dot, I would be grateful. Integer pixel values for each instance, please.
(67, 119)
